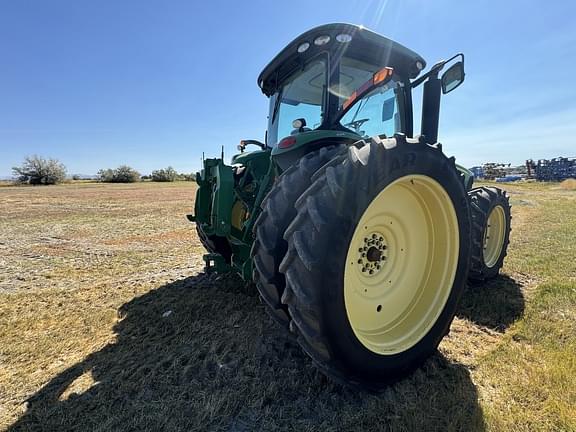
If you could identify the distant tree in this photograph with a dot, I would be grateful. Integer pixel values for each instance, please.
(76, 177)
(165, 175)
(188, 177)
(39, 171)
(105, 175)
(122, 174)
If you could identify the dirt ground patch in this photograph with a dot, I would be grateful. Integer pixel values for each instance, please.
(107, 322)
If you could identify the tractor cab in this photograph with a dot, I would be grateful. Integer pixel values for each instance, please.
(337, 83)
(318, 77)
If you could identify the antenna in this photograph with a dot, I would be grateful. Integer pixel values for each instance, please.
(222, 157)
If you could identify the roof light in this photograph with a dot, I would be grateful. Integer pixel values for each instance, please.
(303, 47)
(298, 123)
(419, 65)
(322, 40)
(343, 38)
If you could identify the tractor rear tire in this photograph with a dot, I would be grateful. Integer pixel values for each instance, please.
(278, 211)
(377, 260)
(491, 219)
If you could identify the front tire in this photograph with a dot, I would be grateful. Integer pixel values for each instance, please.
(490, 232)
(377, 260)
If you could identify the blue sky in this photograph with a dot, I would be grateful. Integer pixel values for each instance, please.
(154, 83)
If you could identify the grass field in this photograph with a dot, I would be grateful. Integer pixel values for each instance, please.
(108, 323)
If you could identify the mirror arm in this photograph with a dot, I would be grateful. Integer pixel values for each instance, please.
(435, 70)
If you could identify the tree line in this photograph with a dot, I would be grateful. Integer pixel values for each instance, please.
(36, 170)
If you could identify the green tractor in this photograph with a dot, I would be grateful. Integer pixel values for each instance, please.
(359, 236)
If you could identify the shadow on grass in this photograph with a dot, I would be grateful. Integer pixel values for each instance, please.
(495, 304)
(201, 354)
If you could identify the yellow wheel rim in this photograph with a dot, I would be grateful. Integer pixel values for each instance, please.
(494, 236)
(401, 264)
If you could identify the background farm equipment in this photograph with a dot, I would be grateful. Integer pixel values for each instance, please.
(492, 170)
(556, 169)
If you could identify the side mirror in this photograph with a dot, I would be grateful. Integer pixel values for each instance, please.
(453, 77)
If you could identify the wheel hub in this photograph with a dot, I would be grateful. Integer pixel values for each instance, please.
(372, 254)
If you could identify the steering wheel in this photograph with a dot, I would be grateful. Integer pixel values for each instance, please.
(356, 124)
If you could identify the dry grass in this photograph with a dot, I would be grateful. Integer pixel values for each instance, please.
(107, 323)
(569, 184)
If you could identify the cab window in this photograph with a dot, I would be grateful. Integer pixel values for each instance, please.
(300, 98)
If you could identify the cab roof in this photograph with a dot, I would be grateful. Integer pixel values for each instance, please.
(365, 45)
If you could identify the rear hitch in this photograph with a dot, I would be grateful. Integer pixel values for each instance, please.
(215, 263)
